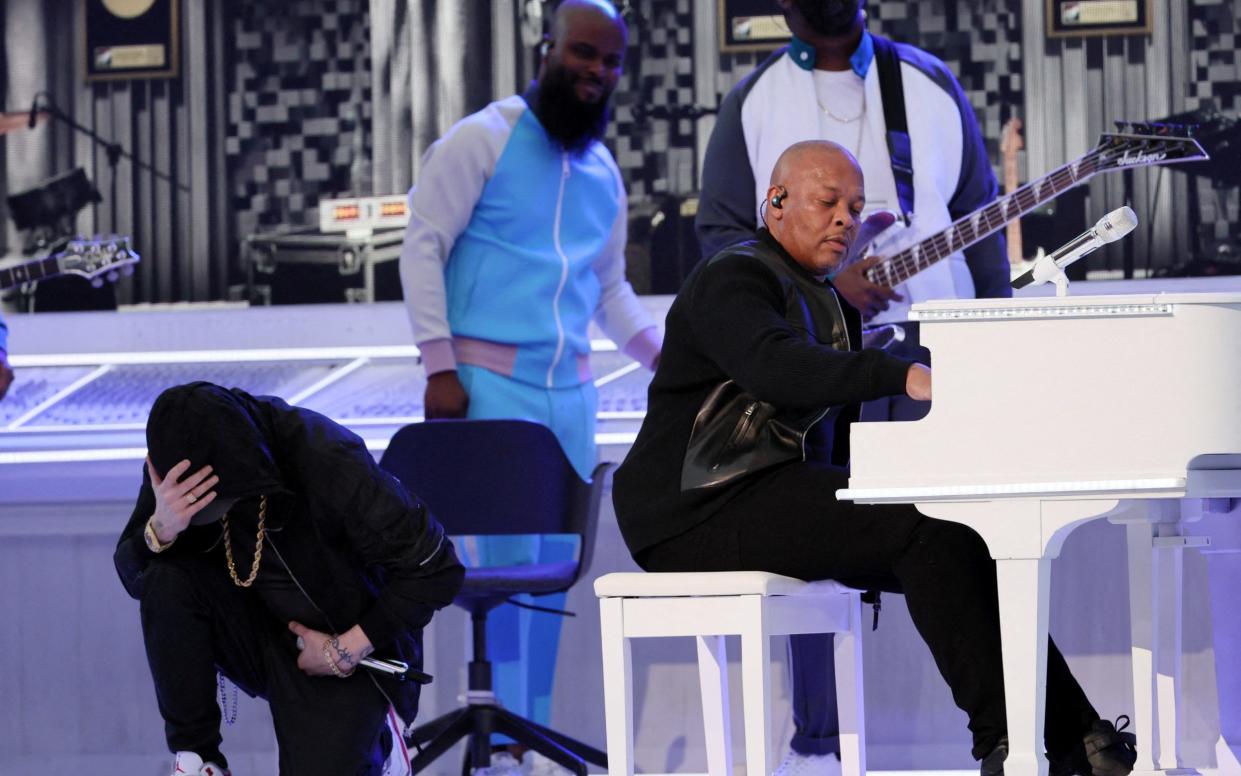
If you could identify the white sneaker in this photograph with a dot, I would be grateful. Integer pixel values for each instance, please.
(502, 764)
(190, 764)
(796, 764)
(539, 765)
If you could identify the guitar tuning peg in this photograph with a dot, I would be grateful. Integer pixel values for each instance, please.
(127, 270)
(96, 282)
(113, 276)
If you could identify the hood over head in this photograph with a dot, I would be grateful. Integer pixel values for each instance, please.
(224, 427)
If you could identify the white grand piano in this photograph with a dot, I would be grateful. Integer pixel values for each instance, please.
(1047, 413)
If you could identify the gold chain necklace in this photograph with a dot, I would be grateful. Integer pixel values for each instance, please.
(860, 118)
(849, 120)
(258, 547)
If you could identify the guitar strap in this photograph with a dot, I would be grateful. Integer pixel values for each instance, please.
(892, 92)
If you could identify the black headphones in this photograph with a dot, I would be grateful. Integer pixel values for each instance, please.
(778, 200)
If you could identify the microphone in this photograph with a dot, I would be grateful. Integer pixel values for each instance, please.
(34, 112)
(1109, 228)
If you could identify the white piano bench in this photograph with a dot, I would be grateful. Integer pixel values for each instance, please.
(708, 606)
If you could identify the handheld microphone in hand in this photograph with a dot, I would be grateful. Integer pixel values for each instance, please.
(1109, 228)
(396, 668)
(34, 113)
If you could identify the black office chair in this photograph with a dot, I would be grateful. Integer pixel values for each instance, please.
(493, 477)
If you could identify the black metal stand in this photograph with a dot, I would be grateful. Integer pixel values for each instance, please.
(482, 716)
(112, 149)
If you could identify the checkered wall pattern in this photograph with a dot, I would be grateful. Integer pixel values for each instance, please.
(656, 155)
(298, 109)
(1215, 73)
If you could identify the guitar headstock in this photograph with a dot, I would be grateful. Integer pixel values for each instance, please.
(1142, 144)
(97, 259)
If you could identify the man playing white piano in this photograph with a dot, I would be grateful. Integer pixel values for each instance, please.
(756, 337)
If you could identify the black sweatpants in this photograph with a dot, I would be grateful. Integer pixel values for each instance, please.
(195, 620)
(789, 522)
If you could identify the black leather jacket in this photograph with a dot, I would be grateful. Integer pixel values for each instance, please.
(366, 552)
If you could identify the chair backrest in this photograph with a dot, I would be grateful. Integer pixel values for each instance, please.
(481, 477)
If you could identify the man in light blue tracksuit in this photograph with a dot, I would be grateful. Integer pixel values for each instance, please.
(515, 243)
(830, 84)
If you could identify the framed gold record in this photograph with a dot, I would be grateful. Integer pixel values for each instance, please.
(130, 39)
(1082, 18)
(751, 25)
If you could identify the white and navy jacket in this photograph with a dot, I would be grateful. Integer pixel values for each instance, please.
(513, 245)
(775, 107)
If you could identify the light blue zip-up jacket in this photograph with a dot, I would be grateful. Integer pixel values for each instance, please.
(512, 240)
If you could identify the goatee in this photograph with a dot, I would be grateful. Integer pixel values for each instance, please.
(574, 125)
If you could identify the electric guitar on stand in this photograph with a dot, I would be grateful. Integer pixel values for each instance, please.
(97, 260)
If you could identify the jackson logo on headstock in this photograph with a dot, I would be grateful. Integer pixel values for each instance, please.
(1129, 158)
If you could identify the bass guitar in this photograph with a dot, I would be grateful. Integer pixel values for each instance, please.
(1135, 145)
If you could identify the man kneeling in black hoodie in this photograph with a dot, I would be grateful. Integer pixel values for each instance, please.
(268, 545)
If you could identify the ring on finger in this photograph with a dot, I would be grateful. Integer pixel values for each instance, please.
(190, 497)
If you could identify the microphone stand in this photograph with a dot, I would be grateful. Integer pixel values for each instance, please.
(1045, 268)
(112, 149)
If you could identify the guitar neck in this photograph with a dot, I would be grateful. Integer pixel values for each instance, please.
(29, 271)
(982, 223)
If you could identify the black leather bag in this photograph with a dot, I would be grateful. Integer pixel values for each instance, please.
(735, 434)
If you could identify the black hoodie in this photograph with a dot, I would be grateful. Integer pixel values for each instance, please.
(366, 551)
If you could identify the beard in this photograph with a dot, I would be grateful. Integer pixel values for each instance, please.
(829, 18)
(574, 125)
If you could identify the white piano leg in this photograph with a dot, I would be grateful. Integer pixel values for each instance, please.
(1155, 545)
(1142, 626)
(1023, 586)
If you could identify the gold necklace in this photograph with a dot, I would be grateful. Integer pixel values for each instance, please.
(859, 118)
(849, 120)
(258, 547)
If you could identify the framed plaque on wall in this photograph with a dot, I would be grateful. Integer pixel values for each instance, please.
(751, 25)
(130, 39)
(1079, 18)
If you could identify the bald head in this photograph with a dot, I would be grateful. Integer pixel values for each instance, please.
(571, 12)
(815, 203)
(810, 155)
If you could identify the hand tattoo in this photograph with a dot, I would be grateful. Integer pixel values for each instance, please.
(343, 653)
